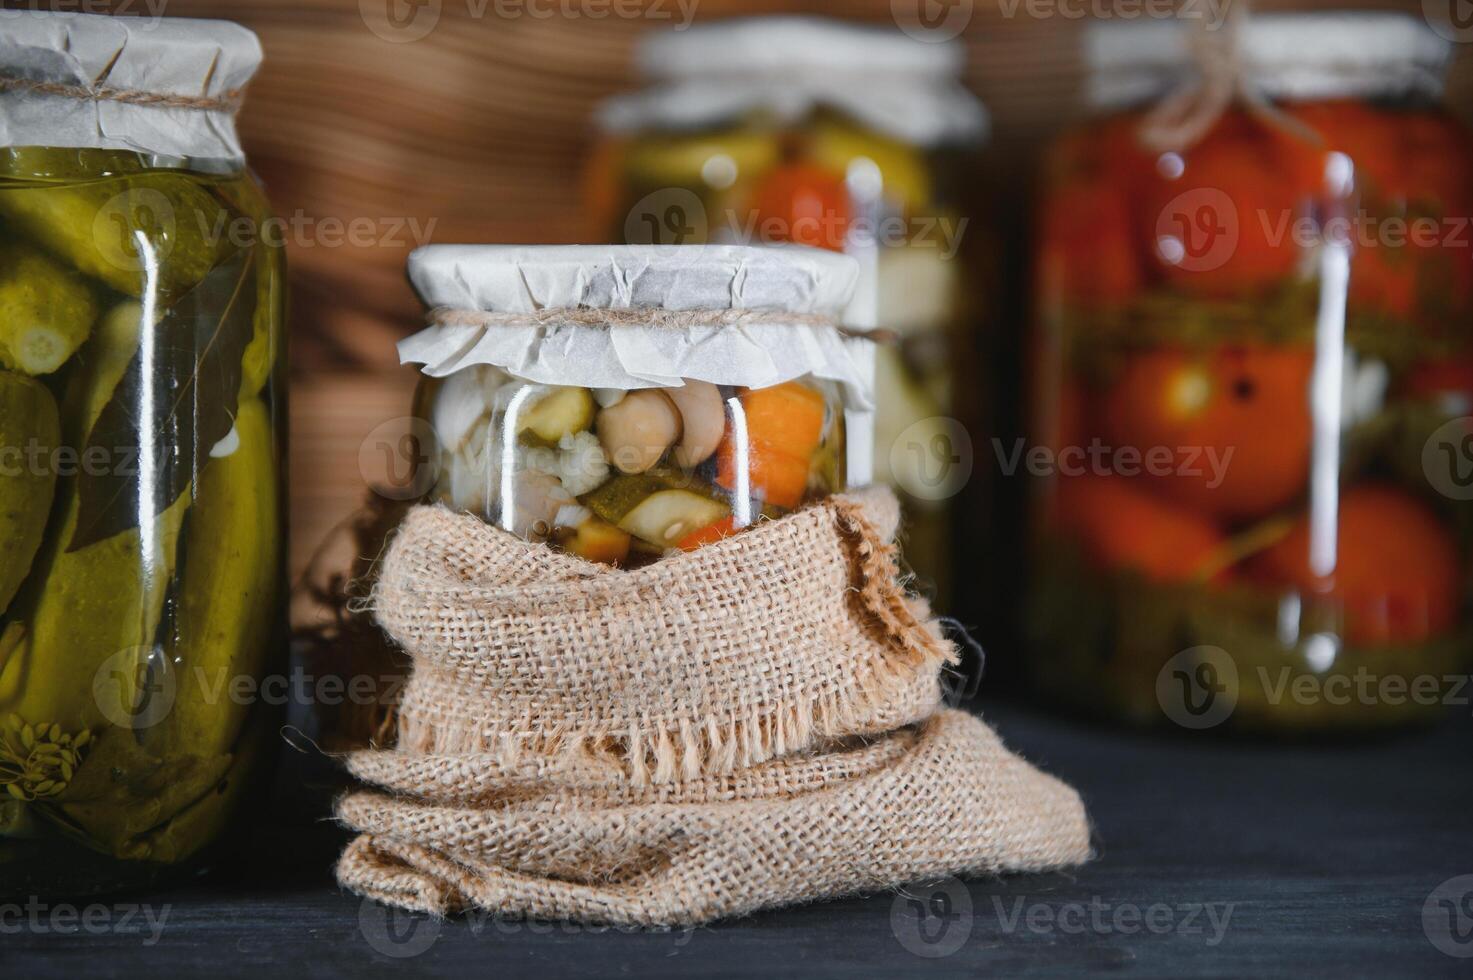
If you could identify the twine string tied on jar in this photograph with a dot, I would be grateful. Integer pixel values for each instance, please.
(1184, 117)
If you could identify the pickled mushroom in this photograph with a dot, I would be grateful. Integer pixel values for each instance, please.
(703, 421)
(636, 432)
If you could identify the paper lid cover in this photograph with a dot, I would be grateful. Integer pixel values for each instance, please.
(1287, 56)
(899, 85)
(525, 278)
(206, 59)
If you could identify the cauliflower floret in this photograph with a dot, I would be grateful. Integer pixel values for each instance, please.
(578, 463)
(582, 465)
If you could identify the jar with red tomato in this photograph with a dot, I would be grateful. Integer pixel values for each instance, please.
(1252, 379)
(835, 136)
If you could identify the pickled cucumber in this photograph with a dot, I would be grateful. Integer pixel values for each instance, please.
(620, 495)
(683, 161)
(227, 593)
(127, 231)
(664, 518)
(101, 601)
(27, 480)
(46, 310)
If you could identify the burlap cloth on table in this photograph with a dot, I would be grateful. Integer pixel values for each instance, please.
(752, 724)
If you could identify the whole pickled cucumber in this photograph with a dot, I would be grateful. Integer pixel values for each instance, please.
(82, 608)
(27, 480)
(124, 230)
(228, 589)
(46, 310)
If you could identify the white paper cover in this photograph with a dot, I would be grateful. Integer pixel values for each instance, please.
(1287, 56)
(169, 56)
(522, 278)
(900, 86)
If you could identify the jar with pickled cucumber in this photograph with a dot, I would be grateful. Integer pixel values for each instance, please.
(835, 136)
(141, 451)
(1253, 377)
(625, 403)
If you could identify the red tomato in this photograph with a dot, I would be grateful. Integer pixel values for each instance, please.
(803, 204)
(1242, 411)
(1120, 526)
(1396, 567)
(1088, 250)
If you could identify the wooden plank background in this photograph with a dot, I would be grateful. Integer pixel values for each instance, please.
(478, 131)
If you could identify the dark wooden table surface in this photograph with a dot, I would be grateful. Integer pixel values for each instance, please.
(1216, 858)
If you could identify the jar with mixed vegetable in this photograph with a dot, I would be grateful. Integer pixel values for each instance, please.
(625, 403)
(1252, 338)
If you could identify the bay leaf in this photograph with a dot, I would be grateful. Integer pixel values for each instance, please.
(184, 398)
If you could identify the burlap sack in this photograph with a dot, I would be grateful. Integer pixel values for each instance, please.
(751, 647)
(752, 724)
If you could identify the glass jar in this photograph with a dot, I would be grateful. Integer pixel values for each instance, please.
(610, 434)
(1245, 365)
(142, 432)
(836, 136)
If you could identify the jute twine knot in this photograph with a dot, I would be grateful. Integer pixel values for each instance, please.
(1183, 118)
(647, 316)
(228, 101)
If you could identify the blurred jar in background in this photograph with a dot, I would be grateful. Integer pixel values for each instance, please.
(1252, 375)
(835, 136)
